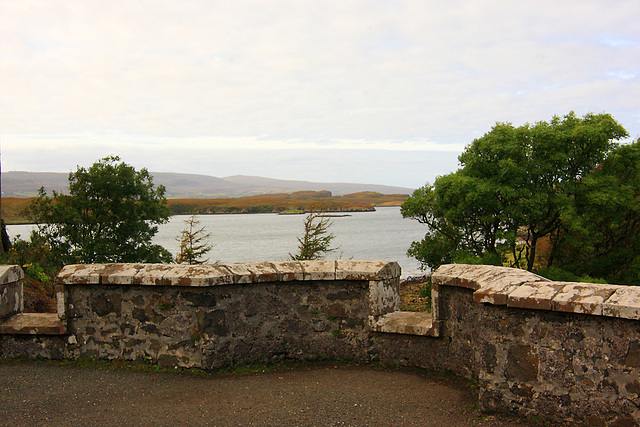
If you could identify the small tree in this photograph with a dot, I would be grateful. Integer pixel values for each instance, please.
(316, 241)
(110, 215)
(193, 243)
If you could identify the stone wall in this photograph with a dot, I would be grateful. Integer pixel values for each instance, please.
(563, 352)
(218, 315)
(567, 352)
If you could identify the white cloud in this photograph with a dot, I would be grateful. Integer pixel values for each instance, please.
(313, 75)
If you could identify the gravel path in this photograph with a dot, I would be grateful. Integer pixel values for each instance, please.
(52, 394)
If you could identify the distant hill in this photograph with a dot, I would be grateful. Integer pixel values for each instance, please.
(182, 185)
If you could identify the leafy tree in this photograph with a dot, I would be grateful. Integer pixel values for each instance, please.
(110, 215)
(316, 241)
(193, 243)
(517, 188)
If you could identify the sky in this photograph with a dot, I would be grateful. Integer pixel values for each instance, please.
(362, 91)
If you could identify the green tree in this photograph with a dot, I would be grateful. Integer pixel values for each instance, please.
(517, 187)
(316, 240)
(193, 243)
(601, 237)
(110, 215)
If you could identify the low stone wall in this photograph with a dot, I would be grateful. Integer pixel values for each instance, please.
(566, 352)
(218, 315)
(563, 352)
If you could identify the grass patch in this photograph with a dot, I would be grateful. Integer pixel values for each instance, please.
(415, 296)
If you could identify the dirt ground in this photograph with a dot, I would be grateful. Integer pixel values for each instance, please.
(54, 394)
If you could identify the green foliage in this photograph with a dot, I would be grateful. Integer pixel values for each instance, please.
(110, 215)
(561, 193)
(559, 275)
(40, 267)
(316, 241)
(193, 243)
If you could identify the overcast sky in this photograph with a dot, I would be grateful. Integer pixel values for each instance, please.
(384, 92)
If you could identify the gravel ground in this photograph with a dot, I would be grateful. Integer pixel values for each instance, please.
(43, 394)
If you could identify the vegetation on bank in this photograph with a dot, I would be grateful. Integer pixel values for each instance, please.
(300, 201)
(13, 208)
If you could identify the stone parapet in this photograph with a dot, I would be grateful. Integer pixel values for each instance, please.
(522, 289)
(10, 290)
(226, 274)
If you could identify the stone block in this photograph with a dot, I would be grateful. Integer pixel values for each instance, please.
(404, 322)
(61, 301)
(535, 295)
(477, 277)
(10, 274)
(585, 298)
(241, 274)
(197, 275)
(347, 269)
(624, 303)
(319, 270)
(11, 302)
(120, 274)
(262, 271)
(33, 324)
(496, 289)
(152, 275)
(384, 296)
(289, 271)
(81, 274)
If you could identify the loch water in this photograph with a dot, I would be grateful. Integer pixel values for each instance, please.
(379, 235)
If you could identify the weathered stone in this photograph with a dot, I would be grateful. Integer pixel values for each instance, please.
(262, 271)
(152, 274)
(404, 322)
(344, 295)
(215, 323)
(288, 271)
(585, 298)
(624, 303)
(384, 296)
(241, 274)
(33, 324)
(201, 299)
(103, 305)
(139, 314)
(335, 310)
(537, 295)
(10, 274)
(120, 274)
(81, 274)
(489, 360)
(197, 275)
(496, 291)
(492, 283)
(319, 270)
(522, 364)
(168, 361)
(632, 358)
(347, 269)
(11, 301)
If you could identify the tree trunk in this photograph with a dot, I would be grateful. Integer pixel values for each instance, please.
(532, 252)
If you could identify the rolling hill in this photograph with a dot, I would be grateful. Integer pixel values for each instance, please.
(182, 185)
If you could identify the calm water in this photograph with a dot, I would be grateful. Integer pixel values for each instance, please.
(379, 235)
